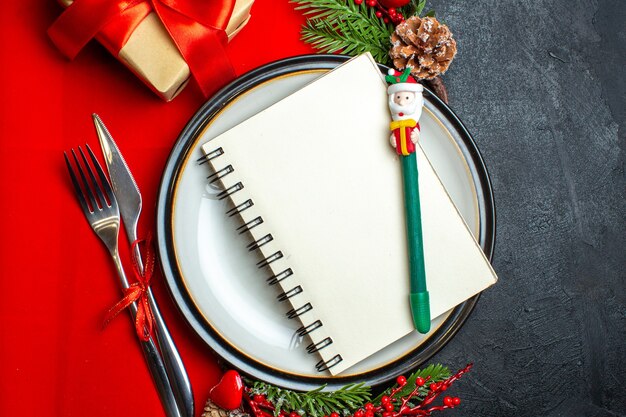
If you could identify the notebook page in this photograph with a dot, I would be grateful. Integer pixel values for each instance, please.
(325, 181)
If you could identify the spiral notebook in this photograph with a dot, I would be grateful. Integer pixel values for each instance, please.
(319, 189)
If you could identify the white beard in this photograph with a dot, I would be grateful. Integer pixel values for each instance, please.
(409, 111)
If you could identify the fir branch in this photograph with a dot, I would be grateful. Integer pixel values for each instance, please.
(352, 40)
(437, 373)
(315, 403)
(343, 26)
(328, 9)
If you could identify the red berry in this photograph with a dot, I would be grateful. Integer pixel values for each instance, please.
(391, 11)
(388, 407)
(456, 401)
(386, 19)
(334, 414)
(387, 413)
(369, 406)
(369, 413)
(419, 381)
(379, 14)
(359, 413)
(448, 401)
(358, 2)
(258, 398)
(401, 380)
(294, 414)
(433, 386)
(371, 3)
(385, 399)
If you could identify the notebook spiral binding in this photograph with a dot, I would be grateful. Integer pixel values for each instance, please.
(322, 365)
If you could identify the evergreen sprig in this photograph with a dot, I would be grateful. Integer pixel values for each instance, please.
(436, 372)
(315, 403)
(346, 27)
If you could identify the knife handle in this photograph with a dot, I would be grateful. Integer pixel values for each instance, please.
(174, 367)
(159, 376)
(156, 364)
(177, 375)
(176, 372)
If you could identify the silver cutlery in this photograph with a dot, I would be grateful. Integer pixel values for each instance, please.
(129, 200)
(103, 215)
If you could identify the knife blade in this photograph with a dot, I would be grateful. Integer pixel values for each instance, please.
(130, 204)
(124, 186)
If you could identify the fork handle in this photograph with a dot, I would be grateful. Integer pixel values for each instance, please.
(156, 364)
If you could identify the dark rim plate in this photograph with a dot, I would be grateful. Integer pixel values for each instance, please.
(179, 154)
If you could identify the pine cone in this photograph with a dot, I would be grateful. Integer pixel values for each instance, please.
(424, 45)
(437, 86)
(213, 410)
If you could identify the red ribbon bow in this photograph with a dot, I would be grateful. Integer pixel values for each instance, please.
(196, 27)
(138, 291)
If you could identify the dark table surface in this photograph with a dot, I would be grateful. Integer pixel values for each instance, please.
(542, 86)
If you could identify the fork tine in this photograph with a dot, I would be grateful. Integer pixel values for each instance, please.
(96, 186)
(103, 177)
(92, 199)
(79, 192)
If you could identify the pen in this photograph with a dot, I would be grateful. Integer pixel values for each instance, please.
(419, 300)
(405, 104)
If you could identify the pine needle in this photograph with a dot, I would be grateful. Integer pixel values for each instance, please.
(436, 372)
(342, 26)
(315, 403)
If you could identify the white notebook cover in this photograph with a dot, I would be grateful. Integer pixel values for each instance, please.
(322, 175)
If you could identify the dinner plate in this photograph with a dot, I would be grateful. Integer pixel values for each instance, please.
(213, 277)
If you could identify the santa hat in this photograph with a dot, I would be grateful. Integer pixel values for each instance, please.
(402, 81)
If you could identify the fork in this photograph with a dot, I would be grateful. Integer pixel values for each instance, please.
(102, 212)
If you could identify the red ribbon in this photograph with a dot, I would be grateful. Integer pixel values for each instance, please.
(196, 27)
(138, 291)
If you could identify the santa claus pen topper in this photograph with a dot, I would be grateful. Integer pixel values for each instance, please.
(405, 104)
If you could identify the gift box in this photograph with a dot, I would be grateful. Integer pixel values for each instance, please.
(165, 43)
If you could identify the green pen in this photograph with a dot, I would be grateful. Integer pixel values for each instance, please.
(405, 104)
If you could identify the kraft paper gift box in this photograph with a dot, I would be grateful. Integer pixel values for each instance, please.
(152, 55)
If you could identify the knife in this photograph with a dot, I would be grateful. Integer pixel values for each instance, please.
(129, 201)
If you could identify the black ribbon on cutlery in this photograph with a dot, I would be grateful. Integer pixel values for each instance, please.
(138, 291)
